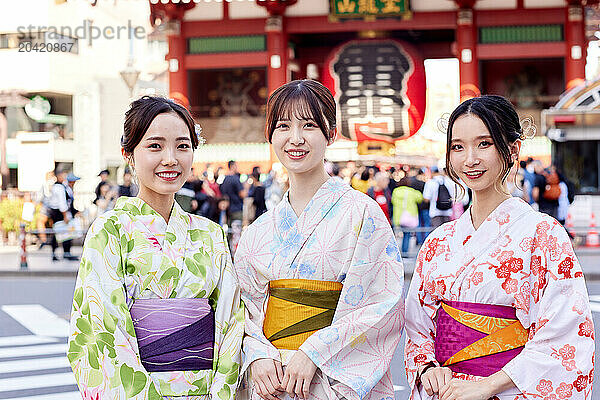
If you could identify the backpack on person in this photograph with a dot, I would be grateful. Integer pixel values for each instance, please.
(552, 188)
(444, 201)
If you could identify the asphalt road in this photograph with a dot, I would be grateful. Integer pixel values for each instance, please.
(33, 366)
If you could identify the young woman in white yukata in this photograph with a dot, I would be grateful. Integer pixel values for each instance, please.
(497, 307)
(156, 311)
(320, 274)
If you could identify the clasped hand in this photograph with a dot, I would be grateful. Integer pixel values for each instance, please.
(439, 381)
(271, 381)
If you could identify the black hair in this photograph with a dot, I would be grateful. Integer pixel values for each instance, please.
(365, 175)
(142, 112)
(335, 170)
(256, 173)
(502, 122)
(230, 164)
(306, 99)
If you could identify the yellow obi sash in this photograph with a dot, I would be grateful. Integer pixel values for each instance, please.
(476, 338)
(297, 308)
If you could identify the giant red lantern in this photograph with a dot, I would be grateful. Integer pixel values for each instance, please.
(379, 87)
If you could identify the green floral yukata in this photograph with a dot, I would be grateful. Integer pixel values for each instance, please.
(131, 253)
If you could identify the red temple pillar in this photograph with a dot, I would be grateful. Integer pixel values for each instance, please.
(277, 52)
(277, 48)
(176, 59)
(171, 15)
(576, 44)
(466, 45)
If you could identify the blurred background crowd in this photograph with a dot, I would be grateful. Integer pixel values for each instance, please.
(415, 199)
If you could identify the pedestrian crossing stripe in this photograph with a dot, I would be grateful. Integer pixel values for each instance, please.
(36, 364)
(37, 381)
(37, 361)
(24, 340)
(38, 320)
(43, 349)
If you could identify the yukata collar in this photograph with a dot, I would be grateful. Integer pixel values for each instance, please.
(141, 207)
(294, 230)
(175, 231)
(495, 225)
(329, 192)
(173, 246)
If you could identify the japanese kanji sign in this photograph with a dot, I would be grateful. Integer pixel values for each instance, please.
(368, 8)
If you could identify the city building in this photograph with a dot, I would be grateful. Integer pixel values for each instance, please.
(62, 62)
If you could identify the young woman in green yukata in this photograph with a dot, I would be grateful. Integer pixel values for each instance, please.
(156, 311)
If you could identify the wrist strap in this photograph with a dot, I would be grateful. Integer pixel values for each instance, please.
(429, 365)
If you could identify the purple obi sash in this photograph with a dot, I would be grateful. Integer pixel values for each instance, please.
(174, 334)
(477, 339)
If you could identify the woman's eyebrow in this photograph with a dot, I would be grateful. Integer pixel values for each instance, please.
(160, 138)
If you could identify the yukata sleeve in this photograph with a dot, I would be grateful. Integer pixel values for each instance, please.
(254, 294)
(103, 350)
(357, 348)
(229, 324)
(419, 347)
(558, 358)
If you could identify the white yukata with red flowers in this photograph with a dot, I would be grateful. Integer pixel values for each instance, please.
(520, 258)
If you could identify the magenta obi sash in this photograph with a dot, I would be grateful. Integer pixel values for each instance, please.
(174, 334)
(477, 339)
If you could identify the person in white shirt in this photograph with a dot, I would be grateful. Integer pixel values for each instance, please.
(58, 210)
(438, 213)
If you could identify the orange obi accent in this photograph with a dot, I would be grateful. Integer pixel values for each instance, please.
(502, 334)
(297, 308)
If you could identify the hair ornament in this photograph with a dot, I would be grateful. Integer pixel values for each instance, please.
(201, 139)
(528, 128)
(443, 122)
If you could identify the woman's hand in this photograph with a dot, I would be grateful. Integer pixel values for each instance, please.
(267, 374)
(435, 379)
(298, 375)
(458, 389)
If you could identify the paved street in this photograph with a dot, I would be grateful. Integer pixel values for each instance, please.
(33, 329)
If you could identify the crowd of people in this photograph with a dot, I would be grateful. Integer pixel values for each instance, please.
(415, 199)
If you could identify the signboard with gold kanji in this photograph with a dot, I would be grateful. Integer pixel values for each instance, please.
(368, 8)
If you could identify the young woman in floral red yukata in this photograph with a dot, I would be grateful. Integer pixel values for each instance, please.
(498, 306)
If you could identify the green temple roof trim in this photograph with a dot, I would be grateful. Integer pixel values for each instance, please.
(227, 44)
(521, 34)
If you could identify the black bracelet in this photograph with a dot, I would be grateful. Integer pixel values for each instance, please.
(429, 365)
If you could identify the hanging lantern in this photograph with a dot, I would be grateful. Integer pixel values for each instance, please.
(379, 86)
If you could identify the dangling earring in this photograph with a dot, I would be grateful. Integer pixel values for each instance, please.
(133, 174)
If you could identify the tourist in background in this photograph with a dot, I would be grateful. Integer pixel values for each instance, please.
(381, 193)
(405, 202)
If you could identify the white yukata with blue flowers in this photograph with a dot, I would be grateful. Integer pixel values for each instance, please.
(342, 235)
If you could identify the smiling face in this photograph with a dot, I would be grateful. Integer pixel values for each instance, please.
(474, 156)
(298, 142)
(163, 158)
